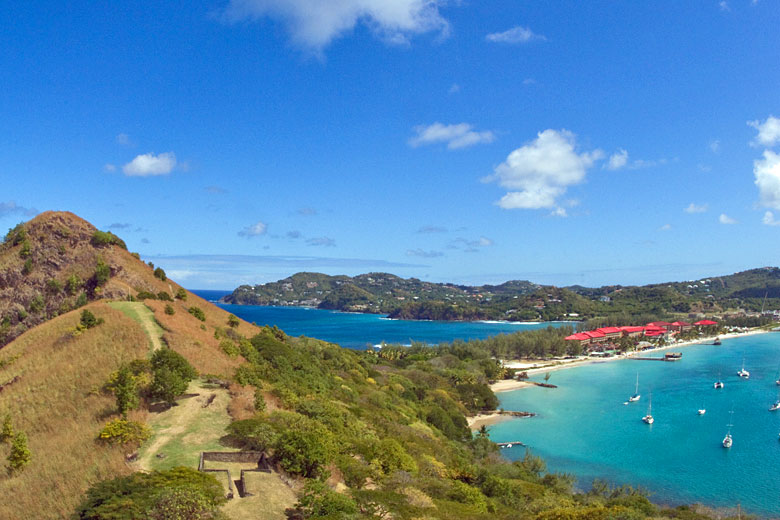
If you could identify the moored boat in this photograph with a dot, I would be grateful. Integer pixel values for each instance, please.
(636, 395)
(648, 419)
(744, 374)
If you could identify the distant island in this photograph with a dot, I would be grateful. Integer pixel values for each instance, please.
(747, 292)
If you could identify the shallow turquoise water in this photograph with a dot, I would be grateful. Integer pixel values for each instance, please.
(584, 428)
(361, 330)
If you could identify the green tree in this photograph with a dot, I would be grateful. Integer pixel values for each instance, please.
(233, 321)
(20, 454)
(181, 294)
(318, 501)
(304, 452)
(88, 320)
(73, 284)
(125, 390)
(160, 274)
(171, 375)
(169, 310)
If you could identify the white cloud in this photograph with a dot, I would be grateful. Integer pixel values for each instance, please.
(109, 167)
(470, 246)
(724, 6)
(696, 208)
(559, 212)
(768, 131)
(665, 227)
(516, 34)
(767, 173)
(769, 219)
(454, 89)
(529, 81)
(255, 230)
(715, 145)
(456, 136)
(11, 208)
(315, 23)
(539, 172)
(617, 160)
(124, 140)
(148, 164)
(725, 219)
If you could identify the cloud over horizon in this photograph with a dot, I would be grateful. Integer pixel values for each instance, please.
(696, 208)
(315, 23)
(12, 208)
(148, 164)
(457, 136)
(516, 34)
(540, 171)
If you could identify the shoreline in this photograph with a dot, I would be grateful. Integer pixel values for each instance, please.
(533, 368)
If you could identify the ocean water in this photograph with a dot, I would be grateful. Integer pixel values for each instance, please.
(583, 427)
(362, 330)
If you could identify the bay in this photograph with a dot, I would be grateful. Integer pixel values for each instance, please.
(584, 428)
(359, 331)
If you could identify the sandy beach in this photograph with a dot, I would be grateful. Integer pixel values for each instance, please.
(485, 419)
(536, 367)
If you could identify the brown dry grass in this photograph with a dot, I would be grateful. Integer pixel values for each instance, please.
(242, 402)
(200, 347)
(56, 403)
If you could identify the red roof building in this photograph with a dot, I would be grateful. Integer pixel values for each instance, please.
(665, 324)
(705, 323)
(681, 326)
(596, 336)
(581, 337)
(610, 332)
(632, 331)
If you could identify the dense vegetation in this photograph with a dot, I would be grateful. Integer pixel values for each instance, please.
(518, 300)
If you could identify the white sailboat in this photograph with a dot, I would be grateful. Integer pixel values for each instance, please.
(718, 384)
(636, 395)
(743, 373)
(775, 406)
(727, 440)
(648, 419)
(702, 410)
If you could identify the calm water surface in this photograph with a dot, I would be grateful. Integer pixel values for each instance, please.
(361, 330)
(584, 428)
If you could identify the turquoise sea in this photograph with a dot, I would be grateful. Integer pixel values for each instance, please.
(583, 427)
(362, 330)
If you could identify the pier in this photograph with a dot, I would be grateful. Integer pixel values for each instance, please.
(669, 356)
(510, 444)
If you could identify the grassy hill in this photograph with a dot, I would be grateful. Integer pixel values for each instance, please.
(348, 434)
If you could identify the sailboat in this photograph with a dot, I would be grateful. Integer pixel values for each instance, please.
(775, 406)
(702, 410)
(743, 373)
(777, 379)
(718, 383)
(727, 440)
(648, 419)
(636, 395)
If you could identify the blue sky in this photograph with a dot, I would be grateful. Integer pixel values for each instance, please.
(240, 141)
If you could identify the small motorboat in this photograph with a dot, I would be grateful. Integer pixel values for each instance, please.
(775, 406)
(728, 441)
(702, 411)
(718, 384)
(648, 419)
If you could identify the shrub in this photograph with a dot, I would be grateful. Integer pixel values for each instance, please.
(37, 304)
(145, 295)
(233, 321)
(318, 501)
(16, 234)
(7, 432)
(102, 272)
(259, 400)
(24, 252)
(197, 312)
(151, 495)
(106, 238)
(20, 454)
(181, 294)
(81, 300)
(122, 431)
(28, 267)
(88, 320)
(169, 310)
(160, 274)
(229, 348)
(53, 286)
(125, 390)
(252, 434)
(164, 296)
(73, 284)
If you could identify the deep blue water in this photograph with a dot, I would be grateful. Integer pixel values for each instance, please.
(362, 330)
(584, 428)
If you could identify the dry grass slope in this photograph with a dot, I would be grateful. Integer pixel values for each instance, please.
(55, 402)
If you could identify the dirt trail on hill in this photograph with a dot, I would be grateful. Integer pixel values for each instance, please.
(145, 317)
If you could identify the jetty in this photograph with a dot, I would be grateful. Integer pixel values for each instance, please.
(669, 356)
(510, 444)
